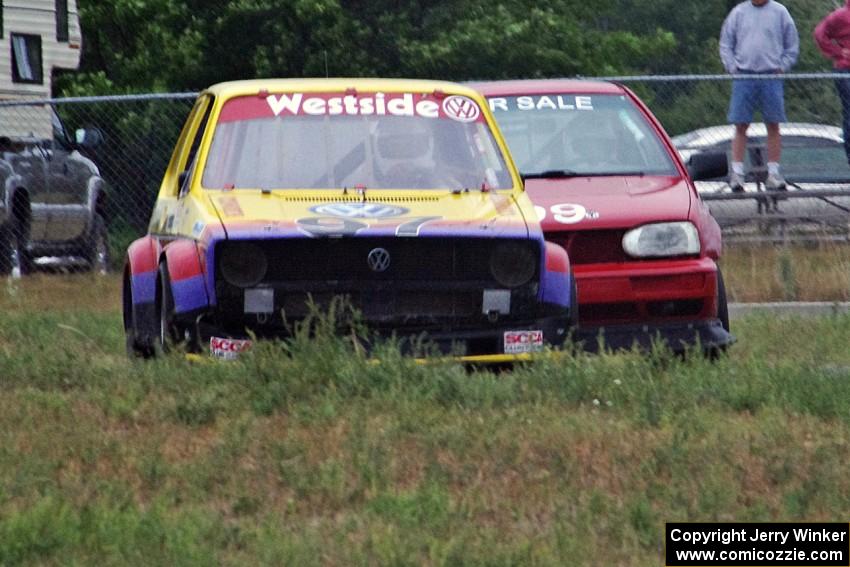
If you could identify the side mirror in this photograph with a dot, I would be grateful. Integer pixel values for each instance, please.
(709, 165)
(88, 138)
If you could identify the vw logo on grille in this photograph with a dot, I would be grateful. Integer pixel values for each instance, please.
(378, 260)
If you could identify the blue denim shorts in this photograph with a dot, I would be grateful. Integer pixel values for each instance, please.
(749, 95)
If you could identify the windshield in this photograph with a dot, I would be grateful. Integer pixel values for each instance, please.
(370, 140)
(584, 134)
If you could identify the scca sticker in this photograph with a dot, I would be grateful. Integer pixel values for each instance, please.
(228, 349)
(461, 108)
(517, 342)
(359, 210)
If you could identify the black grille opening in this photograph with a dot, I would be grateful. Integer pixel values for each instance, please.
(434, 284)
(386, 307)
(410, 259)
(603, 312)
(592, 246)
(681, 308)
(391, 304)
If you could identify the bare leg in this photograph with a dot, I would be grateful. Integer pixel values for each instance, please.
(739, 142)
(774, 143)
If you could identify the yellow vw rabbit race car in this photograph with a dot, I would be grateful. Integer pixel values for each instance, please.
(397, 195)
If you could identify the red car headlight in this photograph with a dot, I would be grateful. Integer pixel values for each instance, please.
(662, 240)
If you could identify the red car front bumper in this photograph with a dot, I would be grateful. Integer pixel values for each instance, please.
(630, 302)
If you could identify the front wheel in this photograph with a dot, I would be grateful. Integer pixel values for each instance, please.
(573, 303)
(13, 256)
(170, 332)
(167, 335)
(722, 304)
(715, 353)
(97, 246)
(138, 342)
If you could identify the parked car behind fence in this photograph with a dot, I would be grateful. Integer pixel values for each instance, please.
(54, 201)
(814, 164)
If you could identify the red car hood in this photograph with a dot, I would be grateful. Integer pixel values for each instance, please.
(609, 202)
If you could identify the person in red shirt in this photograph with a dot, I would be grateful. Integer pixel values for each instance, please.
(832, 35)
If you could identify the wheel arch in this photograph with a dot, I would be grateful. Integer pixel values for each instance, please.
(556, 277)
(97, 197)
(187, 276)
(139, 288)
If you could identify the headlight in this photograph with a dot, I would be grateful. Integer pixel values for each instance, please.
(243, 264)
(662, 239)
(513, 264)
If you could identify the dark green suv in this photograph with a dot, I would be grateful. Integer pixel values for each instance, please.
(52, 202)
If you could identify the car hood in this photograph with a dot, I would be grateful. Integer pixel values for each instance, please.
(251, 214)
(609, 202)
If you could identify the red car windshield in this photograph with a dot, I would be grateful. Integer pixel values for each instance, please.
(580, 135)
(371, 140)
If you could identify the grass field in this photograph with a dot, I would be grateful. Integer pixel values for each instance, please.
(310, 455)
(795, 273)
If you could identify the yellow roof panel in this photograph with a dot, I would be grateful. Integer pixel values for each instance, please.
(250, 87)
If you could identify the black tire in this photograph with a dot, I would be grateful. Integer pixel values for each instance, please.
(716, 353)
(96, 250)
(14, 260)
(137, 343)
(167, 335)
(573, 304)
(171, 333)
(722, 304)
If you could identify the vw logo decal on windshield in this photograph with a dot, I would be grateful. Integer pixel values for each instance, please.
(461, 108)
(378, 260)
(359, 210)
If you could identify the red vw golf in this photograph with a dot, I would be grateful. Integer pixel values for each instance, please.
(610, 188)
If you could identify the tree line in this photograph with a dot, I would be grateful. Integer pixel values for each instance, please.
(141, 46)
(180, 45)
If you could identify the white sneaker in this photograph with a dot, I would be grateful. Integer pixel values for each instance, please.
(736, 182)
(775, 182)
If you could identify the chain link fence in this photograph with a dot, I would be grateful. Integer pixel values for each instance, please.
(816, 204)
(59, 150)
(81, 176)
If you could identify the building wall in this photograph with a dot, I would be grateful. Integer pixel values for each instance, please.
(34, 17)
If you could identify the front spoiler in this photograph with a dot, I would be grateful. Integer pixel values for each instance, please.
(708, 334)
(489, 341)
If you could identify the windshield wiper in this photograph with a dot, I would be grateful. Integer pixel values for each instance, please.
(566, 173)
(553, 173)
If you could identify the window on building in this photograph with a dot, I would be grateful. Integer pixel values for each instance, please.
(26, 59)
(61, 20)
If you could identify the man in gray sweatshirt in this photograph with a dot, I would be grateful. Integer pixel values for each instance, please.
(758, 37)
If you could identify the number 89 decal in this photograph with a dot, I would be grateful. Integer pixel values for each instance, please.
(566, 213)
